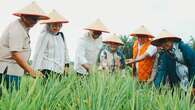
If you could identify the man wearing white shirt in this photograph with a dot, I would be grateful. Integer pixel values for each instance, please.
(89, 47)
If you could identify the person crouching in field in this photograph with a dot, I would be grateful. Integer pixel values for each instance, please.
(176, 64)
(143, 54)
(111, 59)
(88, 48)
(15, 47)
(51, 54)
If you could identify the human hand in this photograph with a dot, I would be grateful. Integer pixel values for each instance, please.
(129, 61)
(35, 74)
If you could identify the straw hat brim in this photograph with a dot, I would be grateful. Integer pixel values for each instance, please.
(97, 30)
(55, 17)
(40, 17)
(150, 36)
(113, 42)
(47, 22)
(157, 41)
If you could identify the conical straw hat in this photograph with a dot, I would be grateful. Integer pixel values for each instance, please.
(113, 39)
(97, 26)
(142, 31)
(32, 9)
(55, 17)
(164, 34)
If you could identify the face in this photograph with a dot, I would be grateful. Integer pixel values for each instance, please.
(113, 46)
(29, 21)
(55, 27)
(167, 44)
(142, 39)
(96, 34)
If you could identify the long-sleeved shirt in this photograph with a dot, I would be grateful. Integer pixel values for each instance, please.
(52, 54)
(167, 66)
(111, 60)
(87, 52)
(55, 55)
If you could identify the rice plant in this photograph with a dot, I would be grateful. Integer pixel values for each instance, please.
(98, 91)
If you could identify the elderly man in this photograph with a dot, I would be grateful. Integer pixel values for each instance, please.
(176, 64)
(143, 54)
(88, 48)
(15, 46)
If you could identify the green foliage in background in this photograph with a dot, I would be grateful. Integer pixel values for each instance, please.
(127, 48)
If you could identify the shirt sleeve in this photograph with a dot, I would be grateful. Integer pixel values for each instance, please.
(16, 38)
(122, 60)
(151, 50)
(161, 70)
(67, 58)
(102, 55)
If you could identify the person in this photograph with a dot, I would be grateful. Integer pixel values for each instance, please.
(111, 59)
(15, 46)
(143, 54)
(51, 55)
(155, 65)
(88, 48)
(176, 63)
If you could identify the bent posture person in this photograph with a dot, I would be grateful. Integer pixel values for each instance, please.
(15, 46)
(88, 48)
(176, 64)
(51, 54)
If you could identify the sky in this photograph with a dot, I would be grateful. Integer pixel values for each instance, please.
(120, 16)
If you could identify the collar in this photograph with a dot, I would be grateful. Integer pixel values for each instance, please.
(175, 46)
(25, 28)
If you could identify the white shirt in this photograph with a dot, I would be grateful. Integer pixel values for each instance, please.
(54, 55)
(14, 38)
(51, 53)
(151, 50)
(87, 52)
